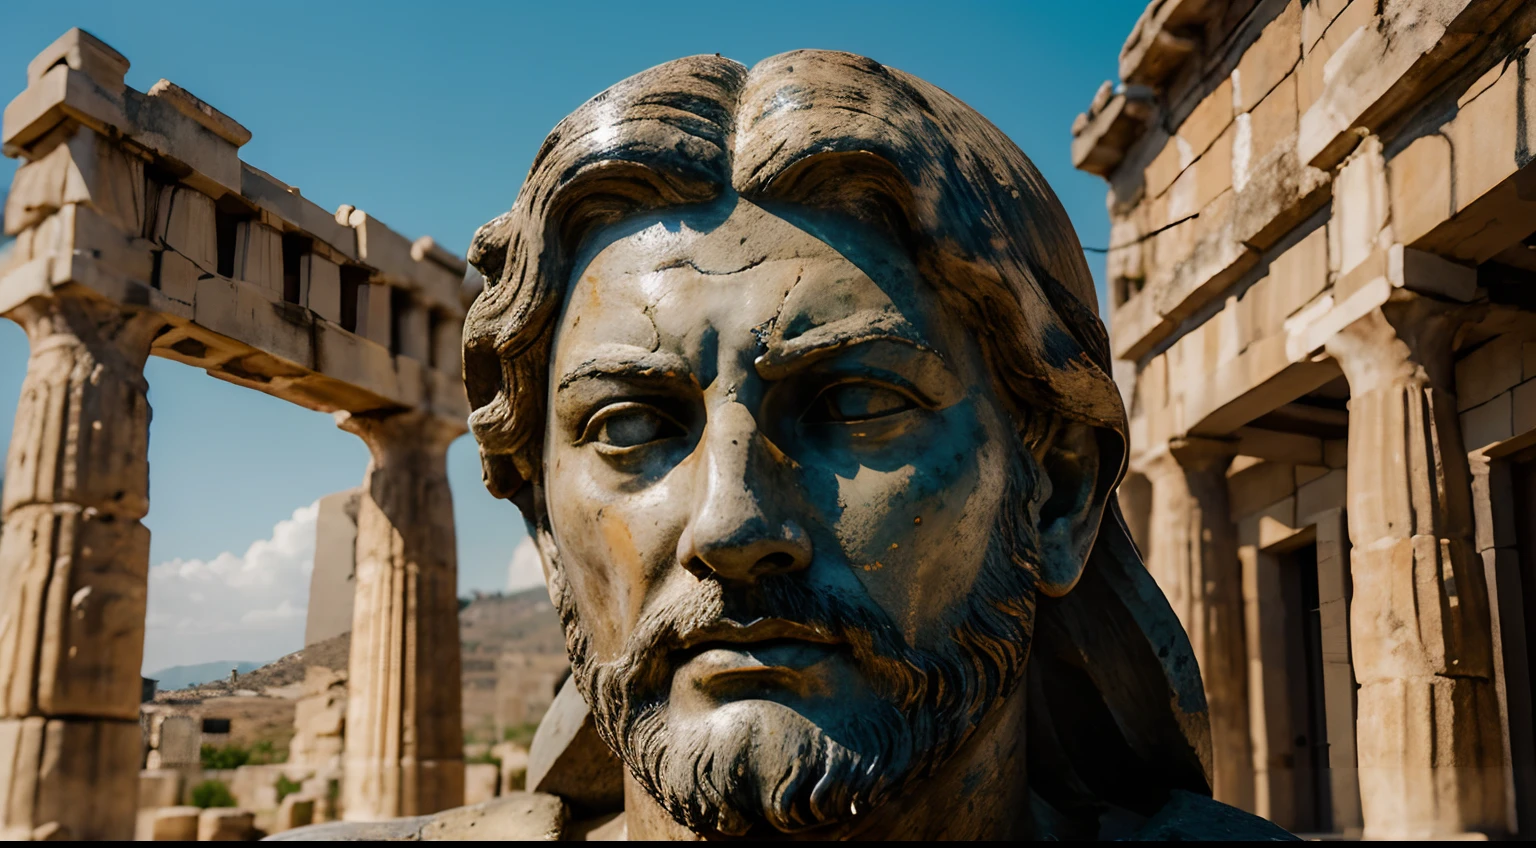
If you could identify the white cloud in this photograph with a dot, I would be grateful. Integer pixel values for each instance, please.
(526, 569)
(248, 607)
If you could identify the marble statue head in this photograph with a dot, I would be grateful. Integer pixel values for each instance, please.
(797, 375)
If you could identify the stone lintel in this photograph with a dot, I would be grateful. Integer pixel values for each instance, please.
(280, 349)
(1110, 131)
(199, 144)
(195, 108)
(1162, 39)
(272, 195)
(1387, 67)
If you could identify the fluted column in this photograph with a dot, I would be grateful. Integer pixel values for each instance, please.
(1193, 558)
(404, 753)
(1429, 744)
(74, 566)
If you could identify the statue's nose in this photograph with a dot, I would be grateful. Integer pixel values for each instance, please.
(738, 530)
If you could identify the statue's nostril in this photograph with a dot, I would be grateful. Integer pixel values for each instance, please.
(775, 563)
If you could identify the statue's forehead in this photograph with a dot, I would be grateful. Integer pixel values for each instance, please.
(748, 272)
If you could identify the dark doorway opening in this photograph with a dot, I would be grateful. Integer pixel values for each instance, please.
(1308, 700)
(1517, 604)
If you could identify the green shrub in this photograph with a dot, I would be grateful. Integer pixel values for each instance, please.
(286, 787)
(521, 734)
(264, 753)
(220, 757)
(212, 793)
(484, 757)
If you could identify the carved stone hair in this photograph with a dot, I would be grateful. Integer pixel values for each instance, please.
(847, 134)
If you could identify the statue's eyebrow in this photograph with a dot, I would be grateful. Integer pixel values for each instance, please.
(624, 362)
(783, 356)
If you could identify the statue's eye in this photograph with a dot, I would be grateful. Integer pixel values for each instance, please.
(629, 425)
(853, 402)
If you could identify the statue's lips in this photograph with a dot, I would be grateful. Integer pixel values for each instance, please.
(719, 653)
(729, 633)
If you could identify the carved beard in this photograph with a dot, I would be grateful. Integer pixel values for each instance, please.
(771, 767)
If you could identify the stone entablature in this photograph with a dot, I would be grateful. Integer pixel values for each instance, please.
(142, 198)
(1320, 257)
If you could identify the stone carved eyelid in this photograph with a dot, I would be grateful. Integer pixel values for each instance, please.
(591, 425)
(914, 400)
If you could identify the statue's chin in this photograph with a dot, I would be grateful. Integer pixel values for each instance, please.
(755, 766)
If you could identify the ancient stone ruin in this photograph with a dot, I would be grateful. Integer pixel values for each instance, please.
(140, 232)
(1321, 266)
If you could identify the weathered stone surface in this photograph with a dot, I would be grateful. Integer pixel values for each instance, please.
(517, 817)
(179, 740)
(1271, 124)
(391, 830)
(569, 760)
(1381, 69)
(1193, 556)
(75, 491)
(210, 118)
(323, 279)
(1157, 44)
(259, 256)
(1429, 744)
(520, 816)
(159, 788)
(175, 824)
(83, 52)
(294, 811)
(1487, 371)
(383, 249)
(1269, 60)
(225, 824)
(107, 256)
(1209, 119)
(45, 771)
(1100, 144)
(1360, 204)
(481, 782)
(185, 224)
(404, 751)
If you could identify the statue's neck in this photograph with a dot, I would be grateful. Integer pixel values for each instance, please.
(981, 793)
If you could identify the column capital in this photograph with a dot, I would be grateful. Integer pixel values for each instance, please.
(1407, 337)
(117, 338)
(391, 431)
(1201, 453)
(1187, 454)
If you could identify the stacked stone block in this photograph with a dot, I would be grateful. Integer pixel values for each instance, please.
(139, 231)
(1303, 197)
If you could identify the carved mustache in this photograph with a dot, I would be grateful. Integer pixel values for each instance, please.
(776, 607)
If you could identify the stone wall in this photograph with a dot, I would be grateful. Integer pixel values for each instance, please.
(1320, 285)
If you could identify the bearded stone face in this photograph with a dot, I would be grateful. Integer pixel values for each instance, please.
(789, 525)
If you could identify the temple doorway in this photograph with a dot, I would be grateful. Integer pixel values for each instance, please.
(1308, 693)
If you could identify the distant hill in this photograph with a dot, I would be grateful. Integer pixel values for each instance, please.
(182, 676)
(521, 622)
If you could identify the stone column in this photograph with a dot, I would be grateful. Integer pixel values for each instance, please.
(1193, 557)
(1429, 743)
(404, 740)
(74, 566)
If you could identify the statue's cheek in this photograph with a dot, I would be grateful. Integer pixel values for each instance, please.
(916, 534)
(617, 545)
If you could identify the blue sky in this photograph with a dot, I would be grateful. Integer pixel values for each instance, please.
(427, 116)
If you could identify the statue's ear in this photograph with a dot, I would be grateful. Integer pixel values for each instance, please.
(1069, 518)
